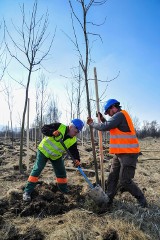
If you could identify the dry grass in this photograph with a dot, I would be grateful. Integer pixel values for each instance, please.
(78, 224)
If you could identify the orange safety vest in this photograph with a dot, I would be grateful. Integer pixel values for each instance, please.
(124, 142)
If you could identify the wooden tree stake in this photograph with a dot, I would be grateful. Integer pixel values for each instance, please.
(99, 134)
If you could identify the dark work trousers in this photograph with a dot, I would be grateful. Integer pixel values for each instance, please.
(41, 160)
(122, 172)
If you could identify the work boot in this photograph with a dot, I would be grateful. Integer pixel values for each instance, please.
(142, 201)
(26, 197)
(63, 188)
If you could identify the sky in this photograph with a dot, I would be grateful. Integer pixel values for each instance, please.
(130, 46)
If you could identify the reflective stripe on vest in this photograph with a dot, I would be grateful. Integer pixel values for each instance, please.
(52, 149)
(49, 152)
(124, 145)
(124, 142)
(54, 145)
(123, 136)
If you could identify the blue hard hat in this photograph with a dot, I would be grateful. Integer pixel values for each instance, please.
(109, 103)
(78, 124)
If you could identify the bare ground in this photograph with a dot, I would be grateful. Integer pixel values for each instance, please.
(52, 215)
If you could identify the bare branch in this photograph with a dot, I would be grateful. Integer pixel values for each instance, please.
(89, 5)
(111, 79)
(106, 80)
(96, 34)
(5, 65)
(99, 3)
(2, 90)
(98, 25)
(16, 80)
(74, 31)
(102, 95)
(3, 57)
(75, 36)
(15, 44)
(75, 14)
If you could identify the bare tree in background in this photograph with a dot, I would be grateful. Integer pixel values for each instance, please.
(84, 57)
(78, 89)
(37, 118)
(9, 100)
(70, 94)
(136, 123)
(33, 35)
(3, 57)
(53, 113)
(151, 129)
(75, 89)
(42, 97)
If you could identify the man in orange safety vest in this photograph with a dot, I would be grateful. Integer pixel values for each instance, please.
(125, 147)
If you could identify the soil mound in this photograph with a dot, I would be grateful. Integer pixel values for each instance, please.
(46, 201)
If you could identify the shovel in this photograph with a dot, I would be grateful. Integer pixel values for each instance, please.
(95, 192)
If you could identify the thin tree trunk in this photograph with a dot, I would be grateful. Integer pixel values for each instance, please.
(99, 134)
(91, 131)
(88, 101)
(23, 122)
(27, 161)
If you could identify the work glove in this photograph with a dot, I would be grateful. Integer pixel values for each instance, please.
(76, 163)
(89, 120)
(56, 133)
(101, 117)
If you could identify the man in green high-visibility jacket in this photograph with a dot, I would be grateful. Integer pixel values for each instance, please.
(50, 149)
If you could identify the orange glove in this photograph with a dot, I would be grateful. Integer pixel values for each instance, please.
(89, 120)
(56, 133)
(77, 163)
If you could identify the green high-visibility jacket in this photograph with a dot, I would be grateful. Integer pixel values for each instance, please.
(53, 149)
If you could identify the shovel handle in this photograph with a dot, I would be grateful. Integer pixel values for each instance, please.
(59, 139)
(84, 175)
(79, 168)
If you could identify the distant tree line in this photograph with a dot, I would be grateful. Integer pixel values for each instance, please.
(149, 129)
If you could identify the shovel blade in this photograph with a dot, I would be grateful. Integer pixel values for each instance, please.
(98, 195)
